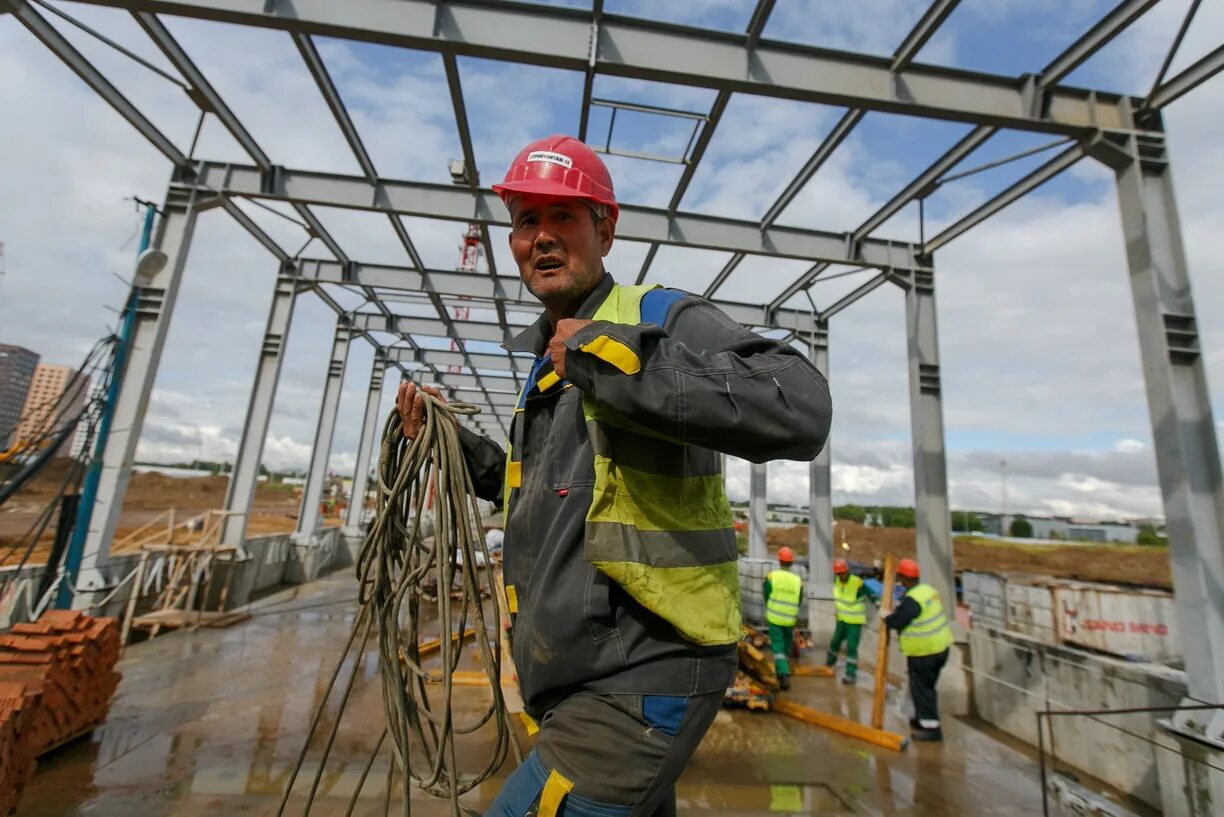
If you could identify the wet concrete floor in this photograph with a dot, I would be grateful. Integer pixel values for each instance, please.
(211, 722)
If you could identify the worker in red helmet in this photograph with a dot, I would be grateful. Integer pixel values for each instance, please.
(850, 597)
(925, 637)
(619, 554)
(783, 600)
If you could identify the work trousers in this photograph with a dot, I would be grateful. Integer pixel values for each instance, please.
(850, 634)
(781, 640)
(605, 755)
(923, 675)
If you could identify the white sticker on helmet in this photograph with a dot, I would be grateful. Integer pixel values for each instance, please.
(549, 156)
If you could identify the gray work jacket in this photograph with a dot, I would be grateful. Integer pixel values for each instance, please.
(706, 381)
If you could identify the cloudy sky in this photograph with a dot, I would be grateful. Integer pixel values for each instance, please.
(1040, 361)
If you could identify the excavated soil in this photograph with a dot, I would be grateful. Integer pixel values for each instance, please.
(149, 494)
(1122, 564)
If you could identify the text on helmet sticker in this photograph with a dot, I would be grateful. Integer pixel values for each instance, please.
(549, 156)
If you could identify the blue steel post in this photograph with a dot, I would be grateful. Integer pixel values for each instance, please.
(89, 490)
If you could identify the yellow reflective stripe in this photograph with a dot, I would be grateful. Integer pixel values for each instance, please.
(612, 351)
(653, 502)
(511, 598)
(529, 724)
(702, 602)
(554, 793)
(548, 381)
(514, 474)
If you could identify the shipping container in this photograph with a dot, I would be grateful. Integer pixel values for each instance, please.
(1135, 624)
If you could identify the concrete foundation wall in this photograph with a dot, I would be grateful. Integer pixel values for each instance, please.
(1013, 677)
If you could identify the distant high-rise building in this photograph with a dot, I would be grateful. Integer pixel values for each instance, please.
(47, 407)
(17, 367)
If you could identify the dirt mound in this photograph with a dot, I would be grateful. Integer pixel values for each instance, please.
(1124, 564)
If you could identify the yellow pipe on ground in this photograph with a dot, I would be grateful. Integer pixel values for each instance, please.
(843, 726)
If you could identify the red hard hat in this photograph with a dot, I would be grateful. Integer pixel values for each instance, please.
(559, 166)
(786, 555)
(840, 566)
(907, 568)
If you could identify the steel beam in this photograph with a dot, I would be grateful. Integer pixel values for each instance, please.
(1179, 402)
(758, 510)
(1008, 197)
(245, 476)
(484, 207)
(820, 490)
(922, 32)
(723, 274)
(308, 516)
(154, 308)
(823, 151)
(335, 103)
(83, 68)
(854, 295)
(662, 52)
(371, 425)
(932, 515)
(1211, 64)
(1096, 38)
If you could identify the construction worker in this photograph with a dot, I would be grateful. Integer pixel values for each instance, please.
(925, 638)
(783, 595)
(850, 597)
(620, 555)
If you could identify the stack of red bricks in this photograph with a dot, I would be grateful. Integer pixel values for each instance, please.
(57, 676)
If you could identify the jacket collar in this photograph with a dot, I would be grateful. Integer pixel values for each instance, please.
(535, 337)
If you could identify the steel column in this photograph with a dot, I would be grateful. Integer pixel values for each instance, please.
(154, 308)
(820, 488)
(308, 517)
(758, 508)
(927, 435)
(1183, 431)
(369, 442)
(241, 492)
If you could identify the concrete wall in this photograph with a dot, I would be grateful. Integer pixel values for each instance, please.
(1014, 677)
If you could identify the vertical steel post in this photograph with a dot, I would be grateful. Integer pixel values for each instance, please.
(820, 488)
(241, 492)
(149, 312)
(308, 517)
(927, 437)
(369, 442)
(757, 510)
(1179, 402)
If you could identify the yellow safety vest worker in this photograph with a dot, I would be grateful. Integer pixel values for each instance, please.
(929, 634)
(785, 593)
(659, 524)
(850, 608)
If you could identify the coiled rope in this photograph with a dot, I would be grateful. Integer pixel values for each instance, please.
(397, 569)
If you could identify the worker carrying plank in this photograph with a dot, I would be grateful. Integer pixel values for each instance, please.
(850, 597)
(620, 555)
(925, 638)
(783, 596)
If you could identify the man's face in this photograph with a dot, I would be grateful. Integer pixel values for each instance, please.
(558, 246)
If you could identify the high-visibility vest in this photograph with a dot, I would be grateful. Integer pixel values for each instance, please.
(850, 608)
(659, 524)
(785, 593)
(929, 634)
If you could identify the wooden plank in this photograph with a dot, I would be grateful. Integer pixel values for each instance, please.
(843, 726)
(881, 667)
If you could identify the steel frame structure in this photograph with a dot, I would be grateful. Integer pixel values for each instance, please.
(1124, 132)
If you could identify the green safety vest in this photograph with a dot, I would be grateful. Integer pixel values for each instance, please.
(929, 634)
(659, 524)
(850, 608)
(785, 593)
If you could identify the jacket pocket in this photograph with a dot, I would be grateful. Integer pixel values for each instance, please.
(569, 447)
(600, 606)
